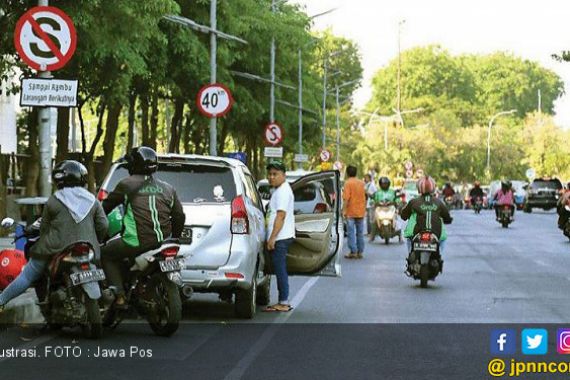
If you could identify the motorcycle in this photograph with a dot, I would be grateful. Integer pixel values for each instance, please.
(477, 204)
(567, 224)
(385, 220)
(505, 215)
(68, 294)
(424, 262)
(449, 202)
(152, 282)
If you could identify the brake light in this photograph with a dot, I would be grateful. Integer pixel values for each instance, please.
(236, 276)
(102, 195)
(170, 251)
(506, 207)
(320, 208)
(240, 221)
(81, 249)
(426, 236)
(85, 266)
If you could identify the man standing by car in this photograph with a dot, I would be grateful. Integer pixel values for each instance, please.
(354, 211)
(280, 230)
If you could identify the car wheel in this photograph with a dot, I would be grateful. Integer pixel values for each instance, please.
(245, 301)
(264, 293)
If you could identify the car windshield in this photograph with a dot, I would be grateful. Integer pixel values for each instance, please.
(193, 183)
(547, 184)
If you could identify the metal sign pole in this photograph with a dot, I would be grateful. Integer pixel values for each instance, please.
(272, 75)
(44, 136)
(300, 107)
(213, 72)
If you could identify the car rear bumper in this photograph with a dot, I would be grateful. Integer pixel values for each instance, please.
(541, 203)
(207, 280)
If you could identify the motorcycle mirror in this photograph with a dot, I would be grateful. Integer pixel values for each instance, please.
(7, 222)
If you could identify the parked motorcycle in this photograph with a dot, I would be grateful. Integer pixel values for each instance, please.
(424, 262)
(68, 294)
(505, 215)
(152, 282)
(386, 224)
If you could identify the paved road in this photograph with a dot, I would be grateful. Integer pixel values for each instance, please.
(491, 275)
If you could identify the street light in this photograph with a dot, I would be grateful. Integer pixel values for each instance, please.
(489, 136)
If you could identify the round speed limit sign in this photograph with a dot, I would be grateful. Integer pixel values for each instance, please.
(214, 100)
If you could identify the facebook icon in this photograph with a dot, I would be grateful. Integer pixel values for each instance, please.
(503, 342)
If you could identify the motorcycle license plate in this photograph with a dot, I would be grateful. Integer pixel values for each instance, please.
(171, 265)
(425, 247)
(87, 276)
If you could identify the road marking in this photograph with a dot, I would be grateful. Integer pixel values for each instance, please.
(239, 370)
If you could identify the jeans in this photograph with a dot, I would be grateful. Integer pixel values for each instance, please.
(355, 228)
(32, 272)
(279, 260)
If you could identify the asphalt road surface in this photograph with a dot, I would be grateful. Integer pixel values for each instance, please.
(374, 322)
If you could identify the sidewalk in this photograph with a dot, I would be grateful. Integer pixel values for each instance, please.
(22, 309)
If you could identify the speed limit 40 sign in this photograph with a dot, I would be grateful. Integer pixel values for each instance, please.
(214, 100)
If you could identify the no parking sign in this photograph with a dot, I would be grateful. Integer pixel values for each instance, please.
(45, 38)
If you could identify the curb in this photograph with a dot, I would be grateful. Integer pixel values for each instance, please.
(22, 310)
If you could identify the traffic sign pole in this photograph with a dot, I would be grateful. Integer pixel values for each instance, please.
(213, 73)
(44, 137)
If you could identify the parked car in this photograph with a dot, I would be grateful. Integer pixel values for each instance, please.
(224, 234)
(542, 193)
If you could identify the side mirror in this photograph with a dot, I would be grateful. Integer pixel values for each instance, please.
(7, 222)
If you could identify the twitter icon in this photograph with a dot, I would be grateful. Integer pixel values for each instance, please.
(534, 341)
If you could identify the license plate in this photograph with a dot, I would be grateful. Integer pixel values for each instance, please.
(171, 265)
(425, 247)
(186, 236)
(87, 276)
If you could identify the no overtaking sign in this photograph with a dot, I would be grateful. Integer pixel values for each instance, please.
(45, 38)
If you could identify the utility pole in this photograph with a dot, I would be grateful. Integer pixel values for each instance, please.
(325, 104)
(44, 137)
(398, 90)
(272, 74)
(337, 126)
(213, 72)
(300, 104)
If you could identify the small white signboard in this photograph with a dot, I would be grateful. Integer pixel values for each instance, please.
(301, 158)
(275, 152)
(37, 92)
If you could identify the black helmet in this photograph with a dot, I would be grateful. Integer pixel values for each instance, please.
(142, 160)
(506, 184)
(69, 173)
(384, 183)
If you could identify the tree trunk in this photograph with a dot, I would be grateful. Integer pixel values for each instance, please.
(89, 155)
(144, 120)
(32, 163)
(154, 121)
(174, 144)
(111, 126)
(131, 122)
(62, 134)
(187, 133)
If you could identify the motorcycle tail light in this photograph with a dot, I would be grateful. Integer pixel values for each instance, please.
(170, 251)
(81, 249)
(102, 195)
(426, 236)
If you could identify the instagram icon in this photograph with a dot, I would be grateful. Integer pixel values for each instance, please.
(563, 342)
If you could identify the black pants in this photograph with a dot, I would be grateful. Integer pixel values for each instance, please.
(498, 207)
(112, 256)
(563, 216)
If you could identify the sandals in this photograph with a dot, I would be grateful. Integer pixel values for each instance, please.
(278, 307)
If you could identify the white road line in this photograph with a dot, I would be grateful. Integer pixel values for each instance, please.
(239, 370)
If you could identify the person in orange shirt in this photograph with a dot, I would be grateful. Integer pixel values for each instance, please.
(354, 211)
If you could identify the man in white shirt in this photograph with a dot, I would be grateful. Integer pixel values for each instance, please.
(280, 230)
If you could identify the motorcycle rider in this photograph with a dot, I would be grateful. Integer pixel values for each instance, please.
(153, 213)
(476, 192)
(426, 213)
(71, 214)
(563, 214)
(448, 191)
(504, 197)
(383, 195)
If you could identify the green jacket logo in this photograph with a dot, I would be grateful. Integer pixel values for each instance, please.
(150, 189)
(430, 207)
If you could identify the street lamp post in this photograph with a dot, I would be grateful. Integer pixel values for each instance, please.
(489, 136)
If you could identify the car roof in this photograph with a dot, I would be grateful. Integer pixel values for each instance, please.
(176, 157)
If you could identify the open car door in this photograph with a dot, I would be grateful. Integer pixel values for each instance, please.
(318, 226)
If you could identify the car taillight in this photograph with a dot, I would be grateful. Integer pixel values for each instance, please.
(320, 208)
(170, 251)
(235, 276)
(102, 195)
(426, 236)
(80, 250)
(240, 221)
